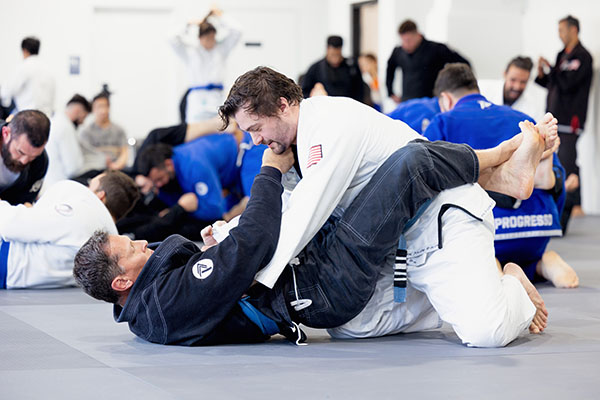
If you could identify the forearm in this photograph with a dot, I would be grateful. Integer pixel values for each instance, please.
(198, 129)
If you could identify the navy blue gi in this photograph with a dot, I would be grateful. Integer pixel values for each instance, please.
(522, 233)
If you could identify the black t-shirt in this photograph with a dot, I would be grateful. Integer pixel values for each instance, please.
(420, 68)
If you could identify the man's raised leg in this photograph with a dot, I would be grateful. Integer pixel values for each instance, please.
(345, 259)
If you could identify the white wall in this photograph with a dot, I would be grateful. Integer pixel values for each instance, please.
(147, 78)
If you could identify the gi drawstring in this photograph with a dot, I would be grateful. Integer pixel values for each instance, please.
(298, 304)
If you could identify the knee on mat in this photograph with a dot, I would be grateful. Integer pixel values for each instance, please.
(484, 333)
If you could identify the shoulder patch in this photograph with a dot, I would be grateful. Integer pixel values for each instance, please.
(36, 186)
(201, 188)
(315, 154)
(203, 269)
(484, 104)
(64, 209)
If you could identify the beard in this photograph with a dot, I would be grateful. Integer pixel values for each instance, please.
(10, 163)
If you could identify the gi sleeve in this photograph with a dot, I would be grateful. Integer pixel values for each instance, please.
(178, 44)
(205, 183)
(234, 33)
(390, 72)
(212, 282)
(30, 225)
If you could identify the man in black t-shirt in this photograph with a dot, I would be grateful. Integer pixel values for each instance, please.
(420, 61)
(334, 75)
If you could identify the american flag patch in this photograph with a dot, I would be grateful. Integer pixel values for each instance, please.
(315, 154)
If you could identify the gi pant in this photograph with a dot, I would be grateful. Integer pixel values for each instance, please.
(458, 282)
(340, 267)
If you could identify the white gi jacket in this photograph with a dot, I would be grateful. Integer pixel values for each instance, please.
(532, 102)
(45, 238)
(32, 87)
(65, 158)
(341, 143)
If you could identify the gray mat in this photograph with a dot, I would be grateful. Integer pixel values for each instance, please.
(62, 344)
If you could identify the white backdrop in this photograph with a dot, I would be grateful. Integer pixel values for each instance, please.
(123, 43)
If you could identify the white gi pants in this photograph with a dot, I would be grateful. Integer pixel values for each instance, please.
(460, 283)
(203, 105)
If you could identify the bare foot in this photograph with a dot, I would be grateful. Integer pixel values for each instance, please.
(557, 271)
(515, 177)
(540, 319)
(548, 129)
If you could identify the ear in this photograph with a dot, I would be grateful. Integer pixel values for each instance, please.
(446, 101)
(5, 134)
(169, 165)
(121, 284)
(284, 105)
(101, 195)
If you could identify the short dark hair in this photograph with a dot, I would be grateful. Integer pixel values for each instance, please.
(79, 99)
(205, 28)
(571, 21)
(259, 91)
(407, 26)
(95, 270)
(455, 77)
(521, 62)
(154, 156)
(335, 41)
(31, 44)
(35, 124)
(121, 193)
(101, 95)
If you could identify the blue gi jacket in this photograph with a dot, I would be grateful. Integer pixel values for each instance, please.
(187, 297)
(481, 124)
(417, 113)
(208, 165)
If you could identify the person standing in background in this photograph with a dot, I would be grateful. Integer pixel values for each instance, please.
(368, 67)
(205, 63)
(568, 83)
(32, 87)
(420, 61)
(334, 75)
